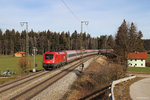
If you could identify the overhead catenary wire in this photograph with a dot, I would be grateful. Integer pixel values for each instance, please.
(74, 15)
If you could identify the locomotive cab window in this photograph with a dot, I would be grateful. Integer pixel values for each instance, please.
(48, 56)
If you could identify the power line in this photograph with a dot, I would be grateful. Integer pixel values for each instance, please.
(74, 15)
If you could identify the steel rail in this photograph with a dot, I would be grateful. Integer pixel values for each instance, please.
(6, 84)
(15, 85)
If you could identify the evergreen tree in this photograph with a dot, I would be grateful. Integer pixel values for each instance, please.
(110, 42)
(140, 44)
(17, 42)
(122, 39)
(68, 45)
(12, 40)
(132, 38)
(103, 42)
(49, 40)
(23, 41)
(74, 40)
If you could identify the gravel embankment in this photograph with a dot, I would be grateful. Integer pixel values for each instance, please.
(61, 87)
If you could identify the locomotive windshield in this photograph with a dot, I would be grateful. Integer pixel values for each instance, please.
(48, 56)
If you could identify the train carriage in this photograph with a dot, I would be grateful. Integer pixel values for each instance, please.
(90, 52)
(72, 55)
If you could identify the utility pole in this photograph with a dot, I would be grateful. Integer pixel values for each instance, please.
(85, 22)
(27, 37)
(35, 65)
(82, 49)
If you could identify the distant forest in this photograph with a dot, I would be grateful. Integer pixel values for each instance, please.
(12, 41)
(127, 39)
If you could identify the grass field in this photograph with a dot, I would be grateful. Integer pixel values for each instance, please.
(145, 70)
(12, 63)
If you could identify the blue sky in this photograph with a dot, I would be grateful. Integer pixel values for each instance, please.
(104, 16)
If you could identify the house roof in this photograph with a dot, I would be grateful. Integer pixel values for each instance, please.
(137, 55)
(21, 52)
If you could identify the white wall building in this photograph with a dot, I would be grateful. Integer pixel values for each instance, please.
(137, 59)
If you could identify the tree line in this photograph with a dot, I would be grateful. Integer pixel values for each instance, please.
(127, 39)
(12, 41)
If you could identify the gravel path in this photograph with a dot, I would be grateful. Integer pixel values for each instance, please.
(58, 90)
(140, 90)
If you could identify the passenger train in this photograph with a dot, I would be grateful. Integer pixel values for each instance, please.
(53, 60)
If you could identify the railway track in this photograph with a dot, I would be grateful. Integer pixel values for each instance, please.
(6, 84)
(21, 81)
(27, 89)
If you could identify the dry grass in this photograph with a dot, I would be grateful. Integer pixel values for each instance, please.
(99, 74)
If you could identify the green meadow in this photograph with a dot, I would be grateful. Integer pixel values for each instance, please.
(145, 70)
(12, 63)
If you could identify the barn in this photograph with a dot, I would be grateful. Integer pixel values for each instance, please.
(137, 59)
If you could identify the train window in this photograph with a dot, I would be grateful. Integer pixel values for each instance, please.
(48, 56)
(71, 55)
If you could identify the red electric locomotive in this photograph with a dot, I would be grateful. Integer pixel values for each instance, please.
(53, 59)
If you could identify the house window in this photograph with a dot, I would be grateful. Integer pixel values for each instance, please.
(131, 60)
(129, 64)
(141, 59)
(141, 64)
(135, 64)
(135, 59)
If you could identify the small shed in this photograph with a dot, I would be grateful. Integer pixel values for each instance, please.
(137, 59)
(19, 54)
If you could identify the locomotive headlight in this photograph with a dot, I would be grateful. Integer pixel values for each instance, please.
(53, 61)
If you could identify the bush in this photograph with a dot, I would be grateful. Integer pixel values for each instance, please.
(147, 64)
(24, 64)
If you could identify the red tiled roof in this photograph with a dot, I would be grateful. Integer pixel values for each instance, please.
(138, 55)
(21, 52)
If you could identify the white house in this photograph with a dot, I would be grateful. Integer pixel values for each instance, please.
(137, 59)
